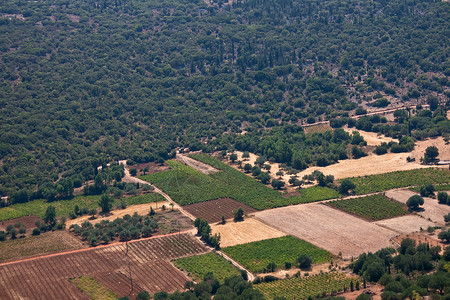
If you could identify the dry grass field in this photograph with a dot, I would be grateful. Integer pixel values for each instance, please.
(432, 210)
(249, 230)
(406, 224)
(328, 228)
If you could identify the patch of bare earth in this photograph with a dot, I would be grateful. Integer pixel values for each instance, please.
(421, 237)
(374, 290)
(328, 228)
(372, 138)
(46, 243)
(140, 209)
(152, 168)
(212, 211)
(195, 164)
(430, 210)
(406, 224)
(249, 230)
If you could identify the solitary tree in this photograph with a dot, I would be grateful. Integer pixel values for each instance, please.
(277, 184)
(304, 261)
(431, 153)
(442, 197)
(239, 214)
(247, 168)
(233, 157)
(106, 203)
(50, 215)
(414, 202)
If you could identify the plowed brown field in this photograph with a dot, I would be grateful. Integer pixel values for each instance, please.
(213, 210)
(47, 277)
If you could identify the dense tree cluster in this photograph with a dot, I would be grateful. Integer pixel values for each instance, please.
(85, 83)
(407, 272)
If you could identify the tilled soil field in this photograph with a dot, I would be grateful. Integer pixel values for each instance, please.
(213, 210)
(47, 277)
(328, 228)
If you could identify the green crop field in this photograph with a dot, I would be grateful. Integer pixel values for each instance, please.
(64, 207)
(256, 256)
(199, 265)
(304, 287)
(186, 186)
(398, 179)
(438, 188)
(374, 207)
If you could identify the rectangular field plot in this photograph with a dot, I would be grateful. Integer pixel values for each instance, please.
(257, 255)
(431, 209)
(328, 228)
(250, 230)
(48, 277)
(406, 224)
(374, 207)
(200, 265)
(213, 210)
(304, 287)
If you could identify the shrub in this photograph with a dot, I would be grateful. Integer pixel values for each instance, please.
(442, 197)
(304, 261)
(427, 190)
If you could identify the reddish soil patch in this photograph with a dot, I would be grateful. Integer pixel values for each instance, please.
(213, 210)
(47, 277)
(421, 237)
(152, 166)
(28, 221)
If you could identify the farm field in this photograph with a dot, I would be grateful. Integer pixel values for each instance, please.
(186, 186)
(92, 288)
(213, 210)
(432, 210)
(304, 287)
(198, 266)
(64, 207)
(256, 256)
(373, 208)
(45, 243)
(148, 259)
(438, 188)
(399, 179)
(317, 128)
(406, 224)
(328, 228)
(249, 230)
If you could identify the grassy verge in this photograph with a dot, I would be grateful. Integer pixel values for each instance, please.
(257, 255)
(387, 181)
(64, 207)
(92, 288)
(198, 266)
(375, 207)
(305, 287)
(186, 186)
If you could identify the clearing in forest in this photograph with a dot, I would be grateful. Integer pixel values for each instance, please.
(256, 256)
(148, 260)
(249, 230)
(212, 211)
(430, 210)
(328, 228)
(317, 128)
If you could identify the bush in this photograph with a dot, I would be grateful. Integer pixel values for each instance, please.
(427, 190)
(442, 197)
(144, 295)
(304, 261)
(238, 214)
(345, 186)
